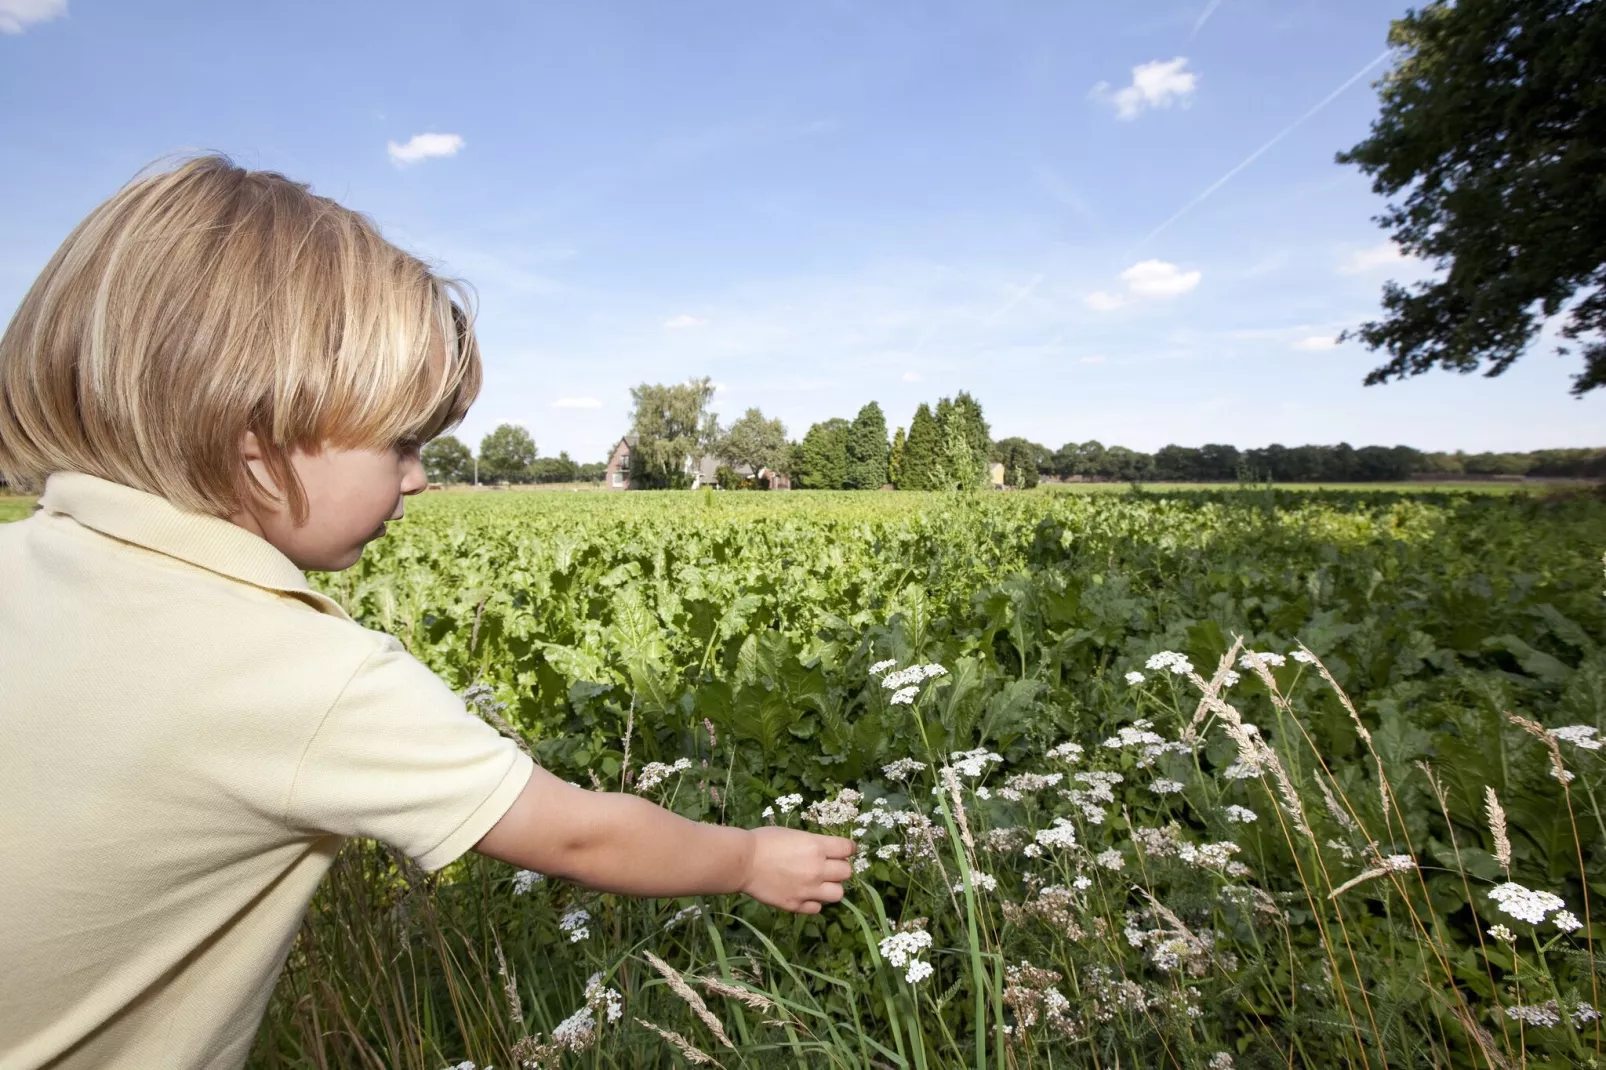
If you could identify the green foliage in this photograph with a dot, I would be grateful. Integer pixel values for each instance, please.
(922, 465)
(1492, 126)
(673, 428)
(740, 633)
(867, 450)
(895, 457)
(1022, 461)
(822, 457)
(755, 442)
(506, 455)
(447, 460)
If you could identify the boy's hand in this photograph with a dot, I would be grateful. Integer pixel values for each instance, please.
(797, 871)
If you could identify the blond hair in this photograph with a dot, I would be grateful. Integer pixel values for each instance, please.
(206, 301)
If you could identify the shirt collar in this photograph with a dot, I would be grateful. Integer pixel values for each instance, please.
(153, 522)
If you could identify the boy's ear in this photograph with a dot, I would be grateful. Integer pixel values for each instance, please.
(256, 463)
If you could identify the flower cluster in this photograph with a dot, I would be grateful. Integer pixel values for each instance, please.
(1031, 994)
(900, 950)
(578, 1031)
(1016, 787)
(1140, 734)
(1241, 815)
(1169, 659)
(1582, 736)
(1095, 794)
(1539, 1014)
(655, 773)
(902, 769)
(1111, 860)
(577, 923)
(985, 881)
(1061, 834)
(692, 912)
(525, 879)
(843, 810)
(1166, 787)
(973, 763)
(1304, 657)
(914, 674)
(1135, 678)
(1066, 752)
(1267, 658)
(1525, 904)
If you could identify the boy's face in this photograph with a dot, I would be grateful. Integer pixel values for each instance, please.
(350, 496)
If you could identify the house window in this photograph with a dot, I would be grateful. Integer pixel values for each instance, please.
(618, 479)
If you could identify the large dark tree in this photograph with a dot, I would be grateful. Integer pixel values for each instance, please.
(868, 451)
(673, 430)
(921, 467)
(754, 442)
(1493, 125)
(822, 457)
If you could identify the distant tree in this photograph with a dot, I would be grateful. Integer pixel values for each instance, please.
(895, 457)
(592, 472)
(822, 462)
(672, 426)
(1176, 464)
(868, 451)
(1494, 127)
(958, 459)
(977, 437)
(447, 460)
(1219, 463)
(755, 442)
(1022, 461)
(559, 469)
(921, 467)
(506, 455)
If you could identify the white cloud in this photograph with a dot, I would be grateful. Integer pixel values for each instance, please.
(18, 15)
(420, 147)
(1158, 278)
(1362, 261)
(1154, 85)
(577, 403)
(1145, 280)
(913, 377)
(1094, 358)
(683, 320)
(1316, 342)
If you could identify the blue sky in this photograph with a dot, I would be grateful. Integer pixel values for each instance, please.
(816, 203)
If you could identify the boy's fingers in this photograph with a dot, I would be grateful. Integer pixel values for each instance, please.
(831, 893)
(839, 847)
(809, 907)
(838, 869)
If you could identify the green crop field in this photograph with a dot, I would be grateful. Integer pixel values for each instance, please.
(1198, 778)
(1100, 833)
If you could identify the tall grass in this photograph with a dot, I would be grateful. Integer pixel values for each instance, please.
(1236, 869)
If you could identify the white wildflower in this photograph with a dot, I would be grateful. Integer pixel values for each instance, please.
(1220, 1061)
(1525, 904)
(692, 912)
(525, 879)
(1229, 678)
(902, 769)
(787, 803)
(1241, 815)
(1062, 834)
(1172, 660)
(1066, 752)
(1398, 863)
(1016, 787)
(1304, 657)
(890, 851)
(1267, 658)
(900, 947)
(768, 813)
(1240, 770)
(1503, 934)
(1166, 787)
(655, 773)
(1032, 850)
(1583, 1013)
(1082, 883)
(895, 681)
(904, 696)
(575, 923)
(882, 666)
(973, 763)
(918, 971)
(1566, 921)
(1579, 735)
(843, 810)
(1540, 1014)
(1135, 678)
(860, 863)
(985, 881)
(1111, 860)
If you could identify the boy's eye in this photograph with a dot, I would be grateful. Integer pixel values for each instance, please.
(409, 446)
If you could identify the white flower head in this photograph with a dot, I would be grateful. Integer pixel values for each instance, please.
(882, 666)
(1525, 904)
(1566, 921)
(576, 924)
(525, 879)
(1169, 659)
(787, 803)
(900, 947)
(918, 971)
(1304, 657)
(1582, 736)
(1267, 658)
(1110, 859)
(1503, 934)
(1241, 815)
(1135, 678)
(1166, 787)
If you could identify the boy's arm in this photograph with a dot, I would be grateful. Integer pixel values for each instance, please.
(620, 843)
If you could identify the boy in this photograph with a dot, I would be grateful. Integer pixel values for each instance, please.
(221, 380)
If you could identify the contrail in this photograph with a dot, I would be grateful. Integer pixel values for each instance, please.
(1210, 9)
(1258, 153)
(1017, 299)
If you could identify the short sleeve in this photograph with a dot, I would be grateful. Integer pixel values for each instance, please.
(398, 758)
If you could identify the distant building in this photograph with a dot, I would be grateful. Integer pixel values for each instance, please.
(617, 475)
(995, 475)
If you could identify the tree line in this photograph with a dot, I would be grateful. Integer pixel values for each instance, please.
(507, 455)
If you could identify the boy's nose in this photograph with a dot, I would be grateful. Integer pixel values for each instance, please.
(414, 478)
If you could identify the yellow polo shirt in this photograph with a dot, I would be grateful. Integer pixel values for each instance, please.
(187, 735)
